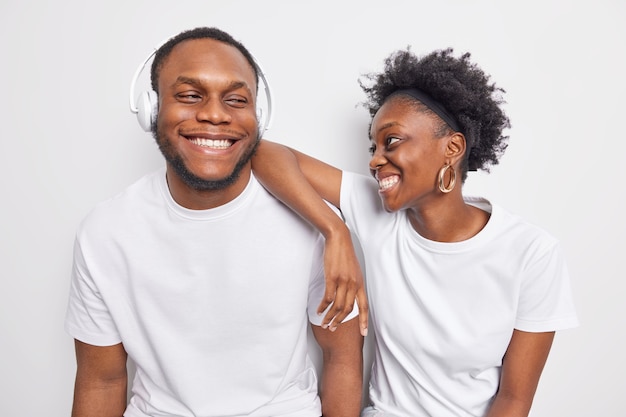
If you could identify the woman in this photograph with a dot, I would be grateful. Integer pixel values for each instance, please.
(464, 297)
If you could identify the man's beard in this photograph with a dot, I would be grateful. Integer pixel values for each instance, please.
(192, 180)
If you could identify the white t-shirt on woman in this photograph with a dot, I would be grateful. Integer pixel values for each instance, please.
(443, 313)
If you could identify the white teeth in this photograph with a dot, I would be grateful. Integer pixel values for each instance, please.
(387, 182)
(210, 143)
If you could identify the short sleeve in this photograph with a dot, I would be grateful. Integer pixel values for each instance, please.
(546, 302)
(360, 203)
(87, 317)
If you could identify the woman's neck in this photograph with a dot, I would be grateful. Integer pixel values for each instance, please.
(449, 219)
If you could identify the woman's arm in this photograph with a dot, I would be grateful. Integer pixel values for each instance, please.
(522, 366)
(303, 183)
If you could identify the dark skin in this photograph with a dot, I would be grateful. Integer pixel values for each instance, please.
(414, 159)
(345, 364)
(207, 120)
(521, 369)
(406, 158)
(211, 105)
(101, 381)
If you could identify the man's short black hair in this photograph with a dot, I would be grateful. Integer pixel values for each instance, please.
(198, 33)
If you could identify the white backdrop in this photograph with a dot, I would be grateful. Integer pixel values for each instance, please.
(69, 141)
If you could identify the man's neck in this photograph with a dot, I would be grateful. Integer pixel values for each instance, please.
(193, 199)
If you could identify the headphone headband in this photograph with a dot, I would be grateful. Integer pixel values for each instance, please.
(145, 106)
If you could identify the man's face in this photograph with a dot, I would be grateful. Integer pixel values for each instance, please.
(206, 126)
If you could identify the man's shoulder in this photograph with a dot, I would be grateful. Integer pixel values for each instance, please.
(131, 199)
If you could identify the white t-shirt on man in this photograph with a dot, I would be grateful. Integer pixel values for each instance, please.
(212, 305)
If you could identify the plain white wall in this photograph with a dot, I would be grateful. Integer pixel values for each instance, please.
(68, 141)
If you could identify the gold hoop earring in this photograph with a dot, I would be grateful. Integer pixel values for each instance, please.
(442, 174)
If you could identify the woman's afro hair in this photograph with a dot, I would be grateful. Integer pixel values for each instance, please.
(460, 86)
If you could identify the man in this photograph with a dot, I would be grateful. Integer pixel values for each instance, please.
(199, 275)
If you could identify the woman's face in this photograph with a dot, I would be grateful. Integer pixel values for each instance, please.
(406, 154)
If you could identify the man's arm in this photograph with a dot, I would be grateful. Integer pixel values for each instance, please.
(342, 372)
(522, 366)
(101, 381)
(302, 182)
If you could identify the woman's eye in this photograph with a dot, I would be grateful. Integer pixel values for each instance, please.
(372, 149)
(391, 141)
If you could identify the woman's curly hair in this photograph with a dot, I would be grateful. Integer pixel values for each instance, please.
(460, 86)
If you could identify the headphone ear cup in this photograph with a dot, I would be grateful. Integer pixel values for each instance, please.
(147, 109)
(262, 123)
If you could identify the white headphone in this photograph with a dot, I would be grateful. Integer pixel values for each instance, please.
(146, 106)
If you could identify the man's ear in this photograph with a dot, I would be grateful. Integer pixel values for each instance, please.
(455, 147)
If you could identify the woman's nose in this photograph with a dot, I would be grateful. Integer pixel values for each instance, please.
(376, 161)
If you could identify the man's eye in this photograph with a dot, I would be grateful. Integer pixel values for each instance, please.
(188, 96)
(237, 101)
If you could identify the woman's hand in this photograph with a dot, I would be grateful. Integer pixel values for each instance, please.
(344, 282)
